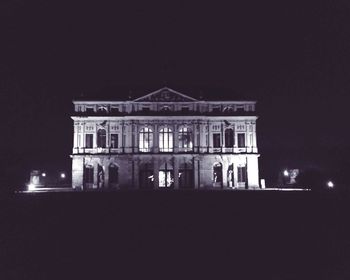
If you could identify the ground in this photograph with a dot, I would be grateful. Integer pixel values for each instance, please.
(177, 234)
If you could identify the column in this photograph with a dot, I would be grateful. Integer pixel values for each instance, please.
(136, 184)
(156, 172)
(95, 185)
(106, 171)
(134, 138)
(77, 171)
(196, 169)
(252, 171)
(210, 138)
(235, 171)
(194, 135)
(224, 173)
(222, 137)
(94, 137)
(202, 141)
(176, 138)
(155, 139)
(176, 172)
(128, 137)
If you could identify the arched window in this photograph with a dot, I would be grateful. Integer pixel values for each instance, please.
(166, 176)
(113, 172)
(228, 110)
(165, 109)
(146, 177)
(100, 176)
(101, 138)
(217, 174)
(102, 110)
(166, 140)
(229, 138)
(230, 180)
(186, 175)
(185, 139)
(88, 176)
(145, 139)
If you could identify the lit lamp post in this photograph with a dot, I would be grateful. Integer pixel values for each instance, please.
(285, 177)
(330, 184)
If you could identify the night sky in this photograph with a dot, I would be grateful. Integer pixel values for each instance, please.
(293, 58)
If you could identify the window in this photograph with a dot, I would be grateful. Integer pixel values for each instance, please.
(114, 141)
(89, 140)
(166, 176)
(228, 110)
(229, 136)
(242, 174)
(146, 178)
(217, 173)
(102, 110)
(216, 140)
(113, 175)
(165, 109)
(185, 138)
(241, 140)
(100, 176)
(230, 175)
(185, 109)
(115, 110)
(88, 176)
(89, 110)
(165, 140)
(101, 138)
(145, 139)
(186, 175)
(217, 109)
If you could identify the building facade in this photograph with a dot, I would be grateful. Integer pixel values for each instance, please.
(165, 139)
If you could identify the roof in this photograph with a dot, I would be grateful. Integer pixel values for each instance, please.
(164, 94)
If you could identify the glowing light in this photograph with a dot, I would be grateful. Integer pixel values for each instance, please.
(286, 173)
(63, 175)
(330, 184)
(43, 174)
(31, 187)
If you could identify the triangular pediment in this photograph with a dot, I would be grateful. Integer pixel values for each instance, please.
(165, 94)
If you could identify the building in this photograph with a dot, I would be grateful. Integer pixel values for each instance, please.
(165, 139)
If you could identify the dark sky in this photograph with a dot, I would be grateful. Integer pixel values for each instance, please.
(292, 57)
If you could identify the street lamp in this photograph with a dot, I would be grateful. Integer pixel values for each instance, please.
(286, 173)
(63, 175)
(330, 184)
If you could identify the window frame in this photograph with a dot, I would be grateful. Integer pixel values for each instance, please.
(145, 143)
(166, 135)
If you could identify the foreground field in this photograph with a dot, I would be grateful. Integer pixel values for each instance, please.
(270, 235)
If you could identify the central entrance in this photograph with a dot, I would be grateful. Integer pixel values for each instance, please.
(166, 176)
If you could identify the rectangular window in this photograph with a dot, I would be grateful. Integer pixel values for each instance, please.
(89, 110)
(115, 110)
(242, 174)
(89, 140)
(114, 141)
(217, 109)
(241, 140)
(216, 140)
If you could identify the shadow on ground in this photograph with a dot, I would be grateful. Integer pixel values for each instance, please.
(182, 235)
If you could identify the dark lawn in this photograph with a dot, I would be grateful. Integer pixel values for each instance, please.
(181, 235)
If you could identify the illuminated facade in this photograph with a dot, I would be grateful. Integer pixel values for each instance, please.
(165, 139)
